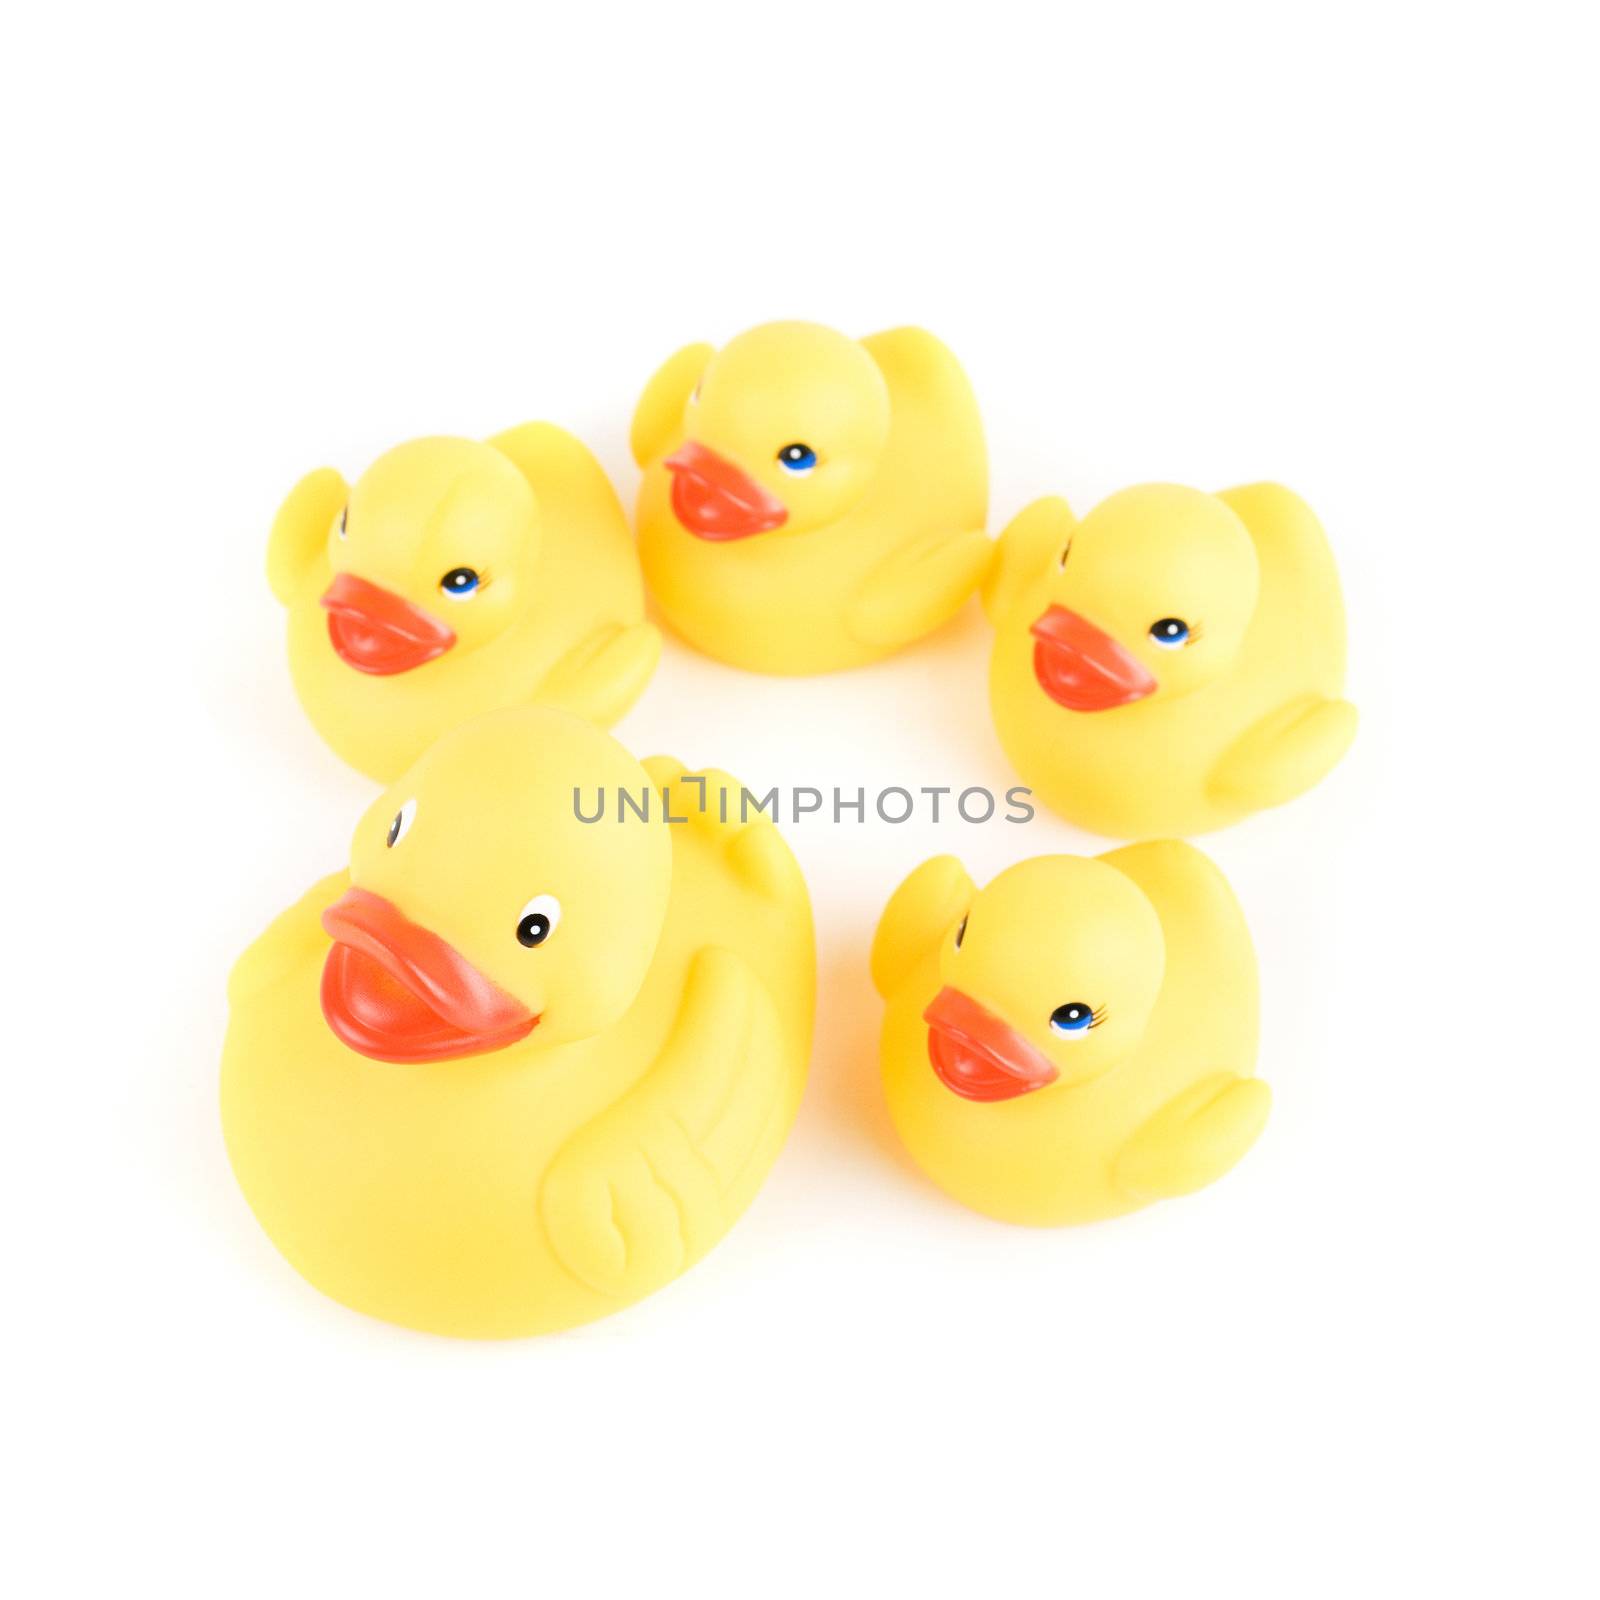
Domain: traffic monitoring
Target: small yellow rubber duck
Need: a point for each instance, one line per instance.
(1171, 663)
(455, 578)
(516, 1069)
(1077, 1039)
(811, 501)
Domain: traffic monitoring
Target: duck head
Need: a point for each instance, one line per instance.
(783, 434)
(1151, 597)
(434, 551)
(481, 910)
(1048, 978)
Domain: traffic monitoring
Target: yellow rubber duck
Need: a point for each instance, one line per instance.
(455, 578)
(811, 501)
(514, 1070)
(1077, 1039)
(1171, 663)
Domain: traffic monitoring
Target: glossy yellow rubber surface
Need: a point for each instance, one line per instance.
(1247, 712)
(1156, 1098)
(557, 617)
(561, 1177)
(882, 539)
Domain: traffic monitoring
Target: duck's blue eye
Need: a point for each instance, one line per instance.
(1170, 632)
(1072, 1020)
(459, 583)
(797, 458)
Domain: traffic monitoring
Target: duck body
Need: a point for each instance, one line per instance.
(1168, 742)
(811, 502)
(543, 1183)
(385, 655)
(1161, 959)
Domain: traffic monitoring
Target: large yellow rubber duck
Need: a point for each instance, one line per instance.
(514, 1070)
(1077, 1039)
(1171, 663)
(454, 578)
(811, 501)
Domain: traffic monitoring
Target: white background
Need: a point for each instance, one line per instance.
(1348, 248)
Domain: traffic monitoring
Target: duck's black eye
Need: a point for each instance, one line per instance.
(797, 458)
(1072, 1020)
(1170, 632)
(459, 583)
(538, 920)
(344, 523)
(961, 933)
(402, 823)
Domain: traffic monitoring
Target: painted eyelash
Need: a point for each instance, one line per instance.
(1096, 1017)
(1061, 564)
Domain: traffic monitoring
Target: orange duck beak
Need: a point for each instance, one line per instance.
(377, 631)
(979, 1057)
(718, 501)
(1082, 667)
(396, 992)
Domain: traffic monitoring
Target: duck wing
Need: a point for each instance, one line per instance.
(300, 531)
(291, 937)
(601, 677)
(647, 1188)
(1036, 536)
(566, 478)
(919, 913)
(1195, 1138)
(658, 417)
(920, 587)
